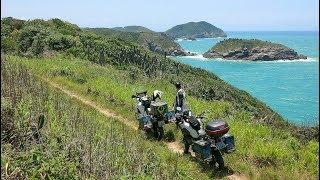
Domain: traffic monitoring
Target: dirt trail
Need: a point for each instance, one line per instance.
(104, 111)
(174, 146)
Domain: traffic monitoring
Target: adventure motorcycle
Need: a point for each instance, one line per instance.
(152, 113)
(207, 143)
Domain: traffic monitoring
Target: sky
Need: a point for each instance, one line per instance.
(160, 15)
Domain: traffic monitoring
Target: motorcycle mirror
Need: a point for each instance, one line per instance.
(201, 117)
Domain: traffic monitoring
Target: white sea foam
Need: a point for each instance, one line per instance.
(309, 59)
(197, 56)
(227, 60)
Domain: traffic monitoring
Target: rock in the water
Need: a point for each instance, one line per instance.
(251, 50)
(191, 38)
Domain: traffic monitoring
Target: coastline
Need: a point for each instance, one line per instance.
(222, 68)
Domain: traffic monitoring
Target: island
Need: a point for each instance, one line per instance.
(192, 30)
(251, 49)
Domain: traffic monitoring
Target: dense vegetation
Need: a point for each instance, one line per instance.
(153, 41)
(109, 70)
(200, 29)
(132, 29)
(234, 43)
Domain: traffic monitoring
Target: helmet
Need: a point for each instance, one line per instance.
(141, 93)
(178, 85)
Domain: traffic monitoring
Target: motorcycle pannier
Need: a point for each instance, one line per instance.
(229, 140)
(158, 108)
(202, 147)
(217, 128)
(144, 122)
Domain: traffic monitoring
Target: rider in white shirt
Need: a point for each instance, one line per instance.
(180, 100)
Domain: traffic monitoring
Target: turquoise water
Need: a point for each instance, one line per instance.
(289, 87)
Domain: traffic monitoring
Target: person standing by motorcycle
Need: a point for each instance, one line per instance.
(180, 106)
(158, 131)
(180, 100)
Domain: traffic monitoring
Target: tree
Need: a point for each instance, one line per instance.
(8, 45)
(101, 57)
(38, 45)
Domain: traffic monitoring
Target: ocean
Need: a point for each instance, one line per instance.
(289, 87)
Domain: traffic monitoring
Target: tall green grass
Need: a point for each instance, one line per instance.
(75, 141)
(263, 151)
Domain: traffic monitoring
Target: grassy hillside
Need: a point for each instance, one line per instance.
(109, 70)
(73, 141)
(153, 41)
(132, 29)
(200, 29)
(263, 152)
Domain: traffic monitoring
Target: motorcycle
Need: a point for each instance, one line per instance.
(207, 143)
(152, 113)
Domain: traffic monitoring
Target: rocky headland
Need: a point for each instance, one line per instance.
(253, 50)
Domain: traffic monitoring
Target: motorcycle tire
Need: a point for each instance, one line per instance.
(161, 133)
(218, 158)
(155, 130)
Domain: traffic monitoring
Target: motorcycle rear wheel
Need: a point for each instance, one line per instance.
(161, 133)
(218, 158)
(158, 132)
